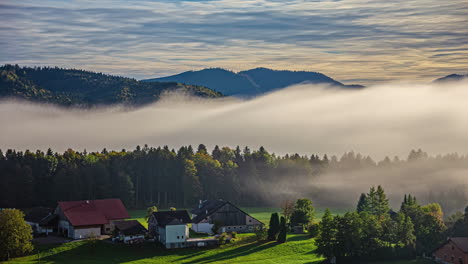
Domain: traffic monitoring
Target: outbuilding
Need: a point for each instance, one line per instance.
(130, 231)
(453, 251)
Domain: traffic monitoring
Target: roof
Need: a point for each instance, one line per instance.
(460, 242)
(209, 207)
(206, 208)
(93, 212)
(130, 227)
(37, 214)
(165, 218)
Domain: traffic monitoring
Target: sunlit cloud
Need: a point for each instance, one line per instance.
(350, 40)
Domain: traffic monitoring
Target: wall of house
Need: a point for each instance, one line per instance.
(203, 228)
(450, 254)
(176, 233)
(81, 233)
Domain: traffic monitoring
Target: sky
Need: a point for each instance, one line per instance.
(353, 41)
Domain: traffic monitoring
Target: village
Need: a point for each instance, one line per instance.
(108, 218)
(211, 223)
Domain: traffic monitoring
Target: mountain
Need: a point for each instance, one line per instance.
(452, 77)
(77, 87)
(249, 83)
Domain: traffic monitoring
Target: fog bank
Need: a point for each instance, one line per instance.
(383, 120)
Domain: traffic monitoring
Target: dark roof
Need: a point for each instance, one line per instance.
(40, 215)
(93, 212)
(130, 227)
(461, 242)
(165, 218)
(206, 208)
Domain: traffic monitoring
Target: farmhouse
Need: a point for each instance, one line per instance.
(453, 251)
(129, 232)
(226, 216)
(83, 219)
(170, 228)
(42, 220)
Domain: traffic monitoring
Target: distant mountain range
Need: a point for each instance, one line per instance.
(77, 87)
(452, 77)
(250, 83)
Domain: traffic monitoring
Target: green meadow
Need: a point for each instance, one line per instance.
(298, 249)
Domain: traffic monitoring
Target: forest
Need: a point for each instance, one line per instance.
(72, 87)
(165, 177)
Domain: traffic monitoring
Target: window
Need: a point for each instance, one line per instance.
(177, 237)
(250, 220)
(182, 237)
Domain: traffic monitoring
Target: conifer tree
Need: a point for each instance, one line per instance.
(274, 227)
(362, 205)
(282, 231)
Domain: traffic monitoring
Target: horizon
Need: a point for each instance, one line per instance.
(353, 42)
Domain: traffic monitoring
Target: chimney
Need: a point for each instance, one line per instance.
(87, 201)
(200, 204)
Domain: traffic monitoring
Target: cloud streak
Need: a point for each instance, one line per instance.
(349, 40)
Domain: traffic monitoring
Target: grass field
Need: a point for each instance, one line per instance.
(298, 249)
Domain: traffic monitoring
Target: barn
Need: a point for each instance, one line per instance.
(225, 215)
(89, 218)
(42, 220)
(453, 251)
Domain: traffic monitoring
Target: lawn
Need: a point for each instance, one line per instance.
(298, 249)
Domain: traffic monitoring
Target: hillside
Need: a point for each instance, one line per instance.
(77, 87)
(249, 83)
(452, 77)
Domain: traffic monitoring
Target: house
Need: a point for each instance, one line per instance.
(42, 220)
(453, 251)
(170, 228)
(84, 219)
(225, 215)
(130, 231)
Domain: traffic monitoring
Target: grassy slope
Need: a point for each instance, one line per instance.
(298, 249)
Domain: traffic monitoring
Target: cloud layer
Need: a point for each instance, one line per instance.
(351, 40)
(388, 119)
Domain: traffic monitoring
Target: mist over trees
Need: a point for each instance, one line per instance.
(165, 177)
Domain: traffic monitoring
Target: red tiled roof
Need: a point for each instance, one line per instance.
(93, 212)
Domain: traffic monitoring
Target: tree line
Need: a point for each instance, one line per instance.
(165, 177)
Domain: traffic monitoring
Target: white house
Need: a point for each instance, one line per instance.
(84, 219)
(170, 228)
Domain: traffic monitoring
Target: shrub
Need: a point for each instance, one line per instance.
(261, 233)
(313, 230)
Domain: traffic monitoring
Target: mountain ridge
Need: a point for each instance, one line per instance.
(250, 82)
(72, 87)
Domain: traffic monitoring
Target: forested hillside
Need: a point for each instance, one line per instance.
(77, 87)
(164, 177)
(252, 82)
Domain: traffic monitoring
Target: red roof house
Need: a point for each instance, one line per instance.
(82, 219)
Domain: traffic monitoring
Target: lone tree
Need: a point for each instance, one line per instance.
(274, 227)
(303, 213)
(15, 234)
(282, 231)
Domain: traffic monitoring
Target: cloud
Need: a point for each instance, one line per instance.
(369, 41)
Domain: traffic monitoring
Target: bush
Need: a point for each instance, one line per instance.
(313, 230)
(222, 238)
(233, 234)
(261, 233)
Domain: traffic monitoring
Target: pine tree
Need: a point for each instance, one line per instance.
(274, 227)
(362, 205)
(327, 236)
(282, 231)
(382, 207)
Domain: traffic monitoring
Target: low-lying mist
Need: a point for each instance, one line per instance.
(385, 120)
